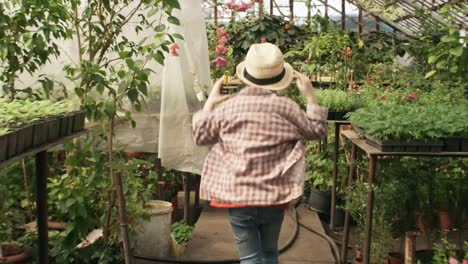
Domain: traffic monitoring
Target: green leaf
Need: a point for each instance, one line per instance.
(429, 74)
(122, 86)
(177, 35)
(458, 51)
(432, 59)
(173, 20)
(69, 202)
(159, 57)
(160, 28)
(448, 38)
(454, 69)
(441, 64)
(110, 109)
(152, 12)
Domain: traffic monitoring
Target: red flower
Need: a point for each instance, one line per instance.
(384, 97)
(413, 96)
(231, 5)
(374, 95)
(223, 40)
(349, 51)
(384, 88)
(220, 32)
(264, 40)
(242, 7)
(220, 49)
(287, 26)
(173, 49)
(220, 62)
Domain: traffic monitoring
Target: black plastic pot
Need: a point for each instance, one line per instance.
(39, 133)
(3, 147)
(79, 120)
(319, 201)
(12, 139)
(24, 138)
(64, 126)
(53, 128)
(69, 118)
(339, 216)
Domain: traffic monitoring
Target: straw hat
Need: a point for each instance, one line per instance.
(264, 67)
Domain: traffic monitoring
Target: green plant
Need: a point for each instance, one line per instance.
(411, 122)
(319, 170)
(449, 57)
(182, 232)
(28, 31)
(338, 100)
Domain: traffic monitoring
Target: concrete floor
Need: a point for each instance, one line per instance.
(212, 239)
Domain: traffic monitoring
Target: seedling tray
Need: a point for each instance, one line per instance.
(3, 147)
(402, 146)
(456, 144)
(12, 139)
(24, 138)
(53, 128)
(78, 120)
(336, 115)
(40, 133)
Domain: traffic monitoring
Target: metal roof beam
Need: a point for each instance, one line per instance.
(387, 21)
(418, 7)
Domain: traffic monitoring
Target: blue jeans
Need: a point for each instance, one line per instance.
(256, 231)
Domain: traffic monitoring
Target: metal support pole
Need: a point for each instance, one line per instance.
(187, 198)
(343, 15)
(122, 217)
(215, 12)
(370, 207)
(351, 173)
(197, 191)
(291, 10)
(377, 23)
(336, 145)
(271, 7)
(360, 22)
(41, 201)
(326, 8)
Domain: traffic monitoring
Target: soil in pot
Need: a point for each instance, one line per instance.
(319, 201)
(394, 258)
(14, 254)
(445, 221)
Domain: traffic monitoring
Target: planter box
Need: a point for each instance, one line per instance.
(24, 138)
(402, 146)
(40, 133)
(78, 120)
(456, 144)
(3, 147)
(53, 128)
(336, 115)
(12, 139)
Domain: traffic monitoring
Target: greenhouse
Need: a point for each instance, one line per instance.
(234, 131)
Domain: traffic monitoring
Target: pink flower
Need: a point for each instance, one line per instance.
(384, 97)
(223, 40)
(220, 32)
(173, 49)
(220, 49)
(231, 5)
(242, 7)
(220, 61)
(384, 88)
(453, 261)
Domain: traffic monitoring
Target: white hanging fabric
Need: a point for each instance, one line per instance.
(185, 78)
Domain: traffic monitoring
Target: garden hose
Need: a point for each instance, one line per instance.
(297, 221)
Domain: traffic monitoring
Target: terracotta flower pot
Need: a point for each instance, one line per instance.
(423, 222)
(394, 258)
(14, 254)
(445, 221)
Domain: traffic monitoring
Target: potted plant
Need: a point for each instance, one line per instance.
(319, 171)
(442, 191)
(338, 102)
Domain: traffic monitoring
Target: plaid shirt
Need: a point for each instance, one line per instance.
(257, 157)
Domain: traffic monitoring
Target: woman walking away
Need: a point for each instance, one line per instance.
(256, 165)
